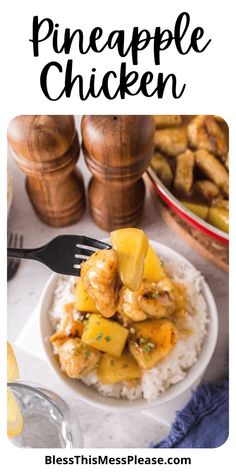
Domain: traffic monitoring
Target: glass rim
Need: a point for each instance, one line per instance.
(58, 403)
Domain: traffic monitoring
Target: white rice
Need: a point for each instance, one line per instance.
(174, 367)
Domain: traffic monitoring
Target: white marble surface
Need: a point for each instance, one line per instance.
(100, 429)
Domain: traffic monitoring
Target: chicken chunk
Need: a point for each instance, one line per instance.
(184, 172)
(205, 133)
(76, 359)
(227, 161)
(101, 280)
(171, 141)
(157, 301)
(207, 190)
(152, 300)
(162, 168)
(164, 121)
(213, 169)
(129, 306)
(69, 326)
(221, 203)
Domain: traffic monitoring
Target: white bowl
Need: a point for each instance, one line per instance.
(90, 395)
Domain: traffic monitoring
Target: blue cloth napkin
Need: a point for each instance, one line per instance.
(204, 420)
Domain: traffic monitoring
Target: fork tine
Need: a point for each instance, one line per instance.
(78, 262)
(91, 242)
(9, 239)
(15, 240)
(84, 252)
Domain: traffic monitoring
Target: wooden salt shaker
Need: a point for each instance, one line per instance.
(46, 148)
(117, 151)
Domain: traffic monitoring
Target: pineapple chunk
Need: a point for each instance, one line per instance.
(131, 245)
(197, 208)
(152, 342)
(105, 335)
(153, 267)
(14, 415)
(118, 369)
(83, 301)
(12, 366)
(219, 217)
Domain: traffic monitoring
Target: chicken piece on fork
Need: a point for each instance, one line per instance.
(101, 280)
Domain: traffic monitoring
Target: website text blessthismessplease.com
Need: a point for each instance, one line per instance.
(122, 460)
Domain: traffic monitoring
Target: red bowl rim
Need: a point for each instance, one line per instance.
(184, 212)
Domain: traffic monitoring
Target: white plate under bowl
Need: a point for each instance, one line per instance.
(89, 394)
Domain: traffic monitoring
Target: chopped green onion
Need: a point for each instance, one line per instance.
(148, 347)
(99, 336)
(87, 354)
(142, 340)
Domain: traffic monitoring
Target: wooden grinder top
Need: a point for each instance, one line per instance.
(117, 148)
(46, 148)
(38, 142)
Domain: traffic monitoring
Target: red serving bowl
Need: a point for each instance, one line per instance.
(184, 212)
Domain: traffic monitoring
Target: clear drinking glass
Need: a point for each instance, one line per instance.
(48, 421)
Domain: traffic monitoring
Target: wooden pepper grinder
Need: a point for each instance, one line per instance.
(117, 151)
(46, 148)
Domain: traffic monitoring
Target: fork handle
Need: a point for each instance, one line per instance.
(23, 253)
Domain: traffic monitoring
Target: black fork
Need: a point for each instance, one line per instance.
(16, 241)
(63, 254)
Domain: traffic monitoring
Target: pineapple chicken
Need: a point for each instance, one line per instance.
(152, 300)
(131, 246)
(205, 133)
(118, 369)
(105, 335)
(101, 280)
(76, 359)
(153, 341)
(130, 284)
(68, 325)
(172, 141)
